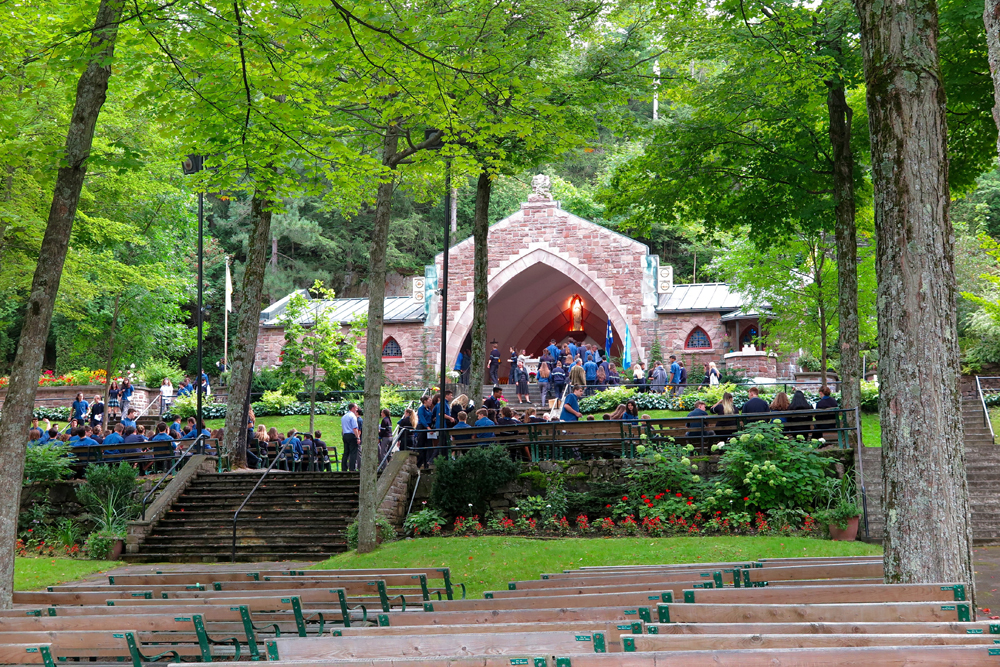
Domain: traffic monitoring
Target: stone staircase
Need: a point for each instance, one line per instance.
(510, 393)
(292, 516)
(982, 466)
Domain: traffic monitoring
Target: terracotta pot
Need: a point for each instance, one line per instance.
(846, 535)
(116, 550)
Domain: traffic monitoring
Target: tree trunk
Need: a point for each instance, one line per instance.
(274, 254)
(373, 350)
(991, 18)
(247, 325)
(111, 361)
(91, 92)
(928, 535)
(481, 267)
(845, 233)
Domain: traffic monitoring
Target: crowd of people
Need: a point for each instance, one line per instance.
(806, 424)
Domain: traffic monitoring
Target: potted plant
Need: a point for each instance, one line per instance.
(842, 512)
(108, 541)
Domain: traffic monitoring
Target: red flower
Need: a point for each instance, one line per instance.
(746, 500)
(609, 506)
(624, 497)
(680, 495)
(690, 503)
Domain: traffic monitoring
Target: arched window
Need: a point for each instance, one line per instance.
(750, 336)
(391, 349)
(698, 340)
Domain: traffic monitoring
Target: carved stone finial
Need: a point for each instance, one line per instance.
(540, 188)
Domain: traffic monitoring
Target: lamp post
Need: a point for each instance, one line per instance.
(444, 275)
(192, 165)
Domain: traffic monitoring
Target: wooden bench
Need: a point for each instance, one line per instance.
(439, 645)
(591, 586)
(821, 594)
(700, 642)
(621, 614)
(886, 627)
(646, 598)
(818, 613)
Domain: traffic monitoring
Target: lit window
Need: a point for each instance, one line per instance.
(392, 349)
(698, 340)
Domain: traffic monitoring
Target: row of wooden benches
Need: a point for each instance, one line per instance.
(568, 616)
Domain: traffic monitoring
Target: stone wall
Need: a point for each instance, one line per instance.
(753, 364)
(55, 397)
(397, 498)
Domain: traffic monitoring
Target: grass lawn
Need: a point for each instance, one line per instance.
(488, 563)
(871, 431)
(35, 573)
(328, 425)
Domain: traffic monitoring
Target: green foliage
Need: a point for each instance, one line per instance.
(101, 543)
(50, 462)
(383, 529)
(425, 522)
(841, 502)
(35, 522)
(107, 491)
(665, 469)
(153, 371)
(770, 470)
(266, 379)
(67, 532)
(275, 401)
(471, 479)
(187, 406)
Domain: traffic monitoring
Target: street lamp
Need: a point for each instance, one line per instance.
(192, 165)
(444, 273)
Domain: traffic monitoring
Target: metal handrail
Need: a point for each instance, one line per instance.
(267, 471)
(986, 412)
(182, 457)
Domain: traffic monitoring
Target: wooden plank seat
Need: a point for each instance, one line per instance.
(866, 592)
(633, 643)
(594, 586)
(645, 598)
(768, 562)
(584, 639)
(840, 612)
(112, 644)
(888, 656)
(885, 628)
(613, 630)
(392, 577)
(620, 614)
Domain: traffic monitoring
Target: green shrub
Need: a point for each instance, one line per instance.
(383, 529)
(187, 406)
(471, 479)
(153, 372)
(108, 490)
(275, 401)
(50, 462)
(771, 470)
(425, 522)
(100, 544)
(266, 379)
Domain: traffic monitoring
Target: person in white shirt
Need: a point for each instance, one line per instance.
(351, 434)
(166, 394)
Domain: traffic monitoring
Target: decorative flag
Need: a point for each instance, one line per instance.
(627, 354)
(229, 289)
(609, 340)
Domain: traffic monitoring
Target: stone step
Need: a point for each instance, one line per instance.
(258, 557)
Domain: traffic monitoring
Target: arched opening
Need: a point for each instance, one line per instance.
(530, 303)
(750, 336)
(391, 349)
(698, 340)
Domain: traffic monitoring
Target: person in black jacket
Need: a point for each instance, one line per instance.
(755, 404)
(828, 402)
(799, 424)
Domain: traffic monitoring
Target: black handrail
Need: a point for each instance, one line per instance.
(267, 471)
(182, 457)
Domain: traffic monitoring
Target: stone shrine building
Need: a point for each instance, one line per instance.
(553, 275)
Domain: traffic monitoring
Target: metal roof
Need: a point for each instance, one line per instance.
(397, 309)
(700, 297)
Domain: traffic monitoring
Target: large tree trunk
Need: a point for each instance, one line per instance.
(480, 299)
(925, 499)
(991, 18)
(91, 91)
(373, 350)
(247, 325)
(845, 233)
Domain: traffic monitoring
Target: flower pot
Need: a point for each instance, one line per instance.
(116, 550)
(846, 535)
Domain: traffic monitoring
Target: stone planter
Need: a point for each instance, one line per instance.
(116, 550)
(809, 381)
(848, 534)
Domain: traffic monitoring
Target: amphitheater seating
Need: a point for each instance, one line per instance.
(777, 612)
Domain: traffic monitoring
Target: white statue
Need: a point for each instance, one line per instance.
(540, 188)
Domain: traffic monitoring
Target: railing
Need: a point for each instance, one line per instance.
(555, 439)
(982, 401)
(180, 459)
(267, 471)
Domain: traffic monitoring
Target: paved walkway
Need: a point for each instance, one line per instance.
(147, 568)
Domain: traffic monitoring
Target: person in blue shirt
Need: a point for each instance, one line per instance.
(125, 394)
(72, 426)
(590, 369)
(675, 375)
(43, 430)
(494, 365)
(85, 439)
(572, 349)
(296, 445)
(459, 424)
(129, 418)
(484, 420)
(77, 435)
(115, 436)
(571, 407)
(34, 437)
(80, 408)
(553, 350)
(631, 412)
(161, 433)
